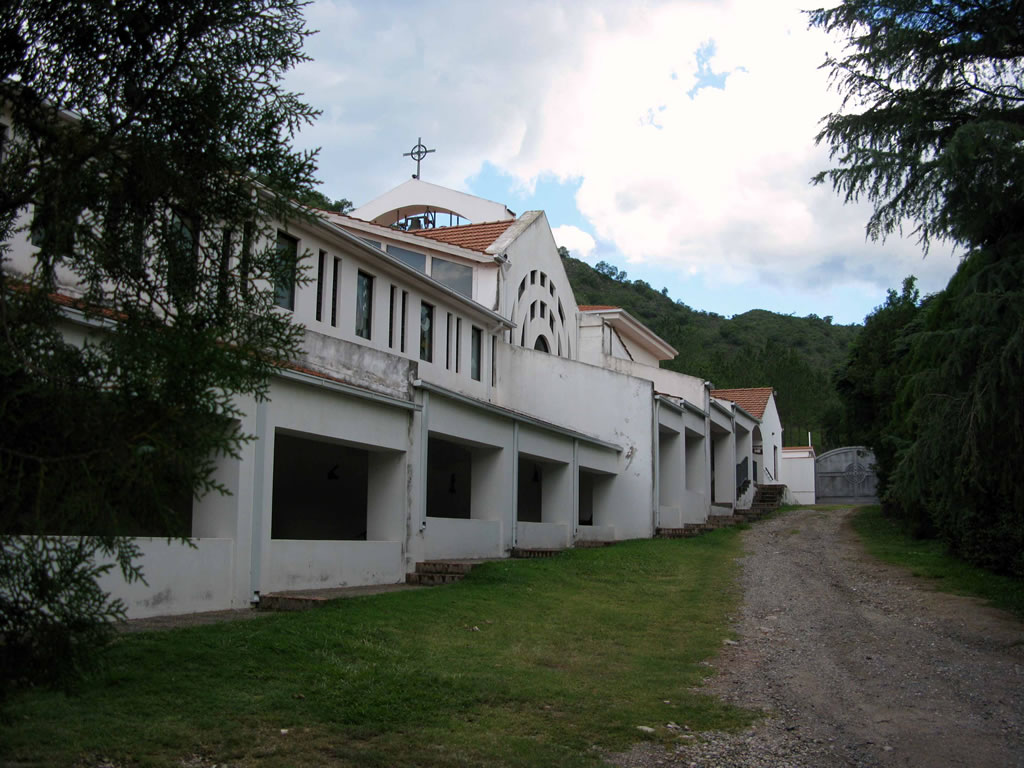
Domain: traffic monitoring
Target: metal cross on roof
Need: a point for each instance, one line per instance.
(417, 153)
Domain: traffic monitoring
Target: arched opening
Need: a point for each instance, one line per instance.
(542, 344)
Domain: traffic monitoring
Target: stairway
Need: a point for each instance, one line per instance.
(433, 573)
(767, 499)
(533, 554)
(688, 531)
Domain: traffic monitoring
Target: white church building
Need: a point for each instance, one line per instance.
(452, 401)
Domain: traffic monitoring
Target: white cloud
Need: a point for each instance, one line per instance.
(580, 244)
(714, 185)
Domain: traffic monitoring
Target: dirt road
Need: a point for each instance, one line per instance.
(859, 663)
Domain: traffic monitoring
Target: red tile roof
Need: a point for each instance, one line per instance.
(753, 400)
(595, 307)
(475, 237)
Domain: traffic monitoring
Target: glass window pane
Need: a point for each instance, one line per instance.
(417, 261)
(364, 304)
(284, 282)
(426, 332)
(474, 362)
(458, 277)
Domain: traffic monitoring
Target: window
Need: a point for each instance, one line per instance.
(401, 332)
(391, 319)
(368, 241)
(543, 279)
(561, 312)
(426, 332)
(417, 261)
(494, 361)
(364, 304)
(533, 310)
(551, 286)
(245, 262)
(522, 288)
(458, 344)
(284, 280)
(458, 277)
(336, 273)
(183, 264)
(551, 320)
(320, 266)
(474, 353)
(448, 341)
(533, 276)
(543, 309)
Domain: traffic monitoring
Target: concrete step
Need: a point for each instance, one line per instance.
(588, 544)
(460, 567)
(304, 599)
(521, 553)
(688, 531)
(721, 521)
(283, 602)
(432, 579)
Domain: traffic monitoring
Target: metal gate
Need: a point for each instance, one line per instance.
(846, 476)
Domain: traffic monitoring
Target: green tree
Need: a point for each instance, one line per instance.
(932, 133)
(136, 130)
(317, 199)
(932, 125)
(868, 382)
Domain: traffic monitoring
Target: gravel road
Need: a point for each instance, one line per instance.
(857, 663)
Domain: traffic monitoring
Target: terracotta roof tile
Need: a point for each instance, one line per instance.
(595, 307)
(475, 237)
(753, 400)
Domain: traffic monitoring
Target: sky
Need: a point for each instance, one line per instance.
(674, 140)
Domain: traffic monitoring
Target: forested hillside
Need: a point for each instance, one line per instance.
(796, 355)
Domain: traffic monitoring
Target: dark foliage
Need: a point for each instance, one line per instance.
(136, 132)
(932, 133)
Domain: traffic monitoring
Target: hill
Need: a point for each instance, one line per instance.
(796, 355)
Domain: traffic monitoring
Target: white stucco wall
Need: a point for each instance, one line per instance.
(181, 578)
(598, 402)
(771, 436)
(297, 564)
(798, 471)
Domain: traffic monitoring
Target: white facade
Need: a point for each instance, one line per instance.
(798, 469)
(452, 402)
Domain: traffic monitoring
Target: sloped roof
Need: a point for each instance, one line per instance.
(595, 307)
(753, 400)
(474, 237)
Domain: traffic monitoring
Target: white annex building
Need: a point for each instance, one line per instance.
(453, 401)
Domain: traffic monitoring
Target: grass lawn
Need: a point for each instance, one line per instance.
(525, 663)
(928, 558)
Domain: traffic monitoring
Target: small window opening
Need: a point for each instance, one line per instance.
(474, 353)
(335, 274)
(320, 267)
(426, 332)
(364, 305)
(401, 330)
(391, 318)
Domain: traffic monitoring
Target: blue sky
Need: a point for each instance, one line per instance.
(674, 139)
